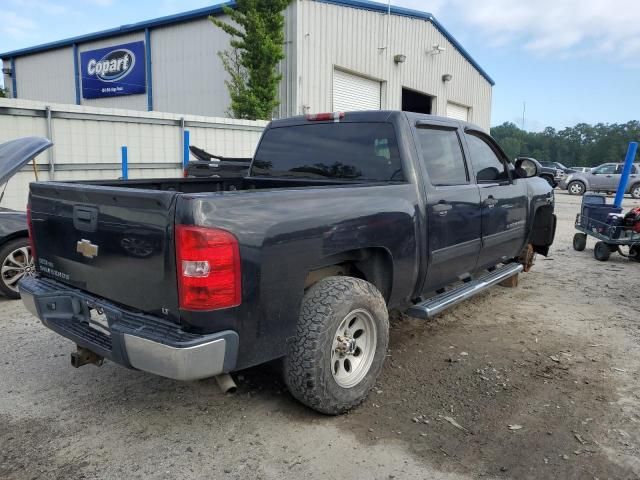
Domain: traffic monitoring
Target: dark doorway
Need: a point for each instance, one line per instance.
(413, 101)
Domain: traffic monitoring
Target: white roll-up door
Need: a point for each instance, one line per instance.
(459, 112)
(353, 92)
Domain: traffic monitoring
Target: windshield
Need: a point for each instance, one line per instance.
(338, 151)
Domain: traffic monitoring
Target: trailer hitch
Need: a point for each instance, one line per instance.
(83, 356)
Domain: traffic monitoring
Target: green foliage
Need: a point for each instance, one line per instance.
(3, 93)
(582, 146)
(257, 39)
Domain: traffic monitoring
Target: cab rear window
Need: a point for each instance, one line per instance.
(338, 151)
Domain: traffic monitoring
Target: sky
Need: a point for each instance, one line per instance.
(562, 62)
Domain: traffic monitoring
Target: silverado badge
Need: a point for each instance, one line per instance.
(86, 248)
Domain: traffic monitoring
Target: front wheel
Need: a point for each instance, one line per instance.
(550, 180)
(579, 242)
(16, 263)
(635, 191)
(576, 188)
(340, 345)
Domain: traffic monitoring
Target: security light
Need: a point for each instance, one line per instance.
(400, 58)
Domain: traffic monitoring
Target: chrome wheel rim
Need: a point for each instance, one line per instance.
(635, 193)
(353, 348)
(576, 188)
(15, 266)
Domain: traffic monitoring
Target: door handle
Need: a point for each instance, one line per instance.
(490, 202)
(442, 208)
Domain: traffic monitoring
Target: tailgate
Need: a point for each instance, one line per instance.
(115, 243)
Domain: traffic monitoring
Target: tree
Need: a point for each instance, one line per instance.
(257, 40)
(582, 145)
(3, 93)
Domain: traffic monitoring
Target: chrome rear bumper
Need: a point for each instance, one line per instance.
(131, 339)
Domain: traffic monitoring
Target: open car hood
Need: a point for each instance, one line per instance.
(15, 154)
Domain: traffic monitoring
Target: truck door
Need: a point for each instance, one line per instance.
(453, 206)
(503, 201)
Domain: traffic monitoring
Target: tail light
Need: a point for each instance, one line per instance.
(323, 117)
(208, 264)
(32, 243)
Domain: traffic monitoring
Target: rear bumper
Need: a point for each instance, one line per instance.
(132, 339)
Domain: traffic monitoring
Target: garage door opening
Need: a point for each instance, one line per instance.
(417, 102)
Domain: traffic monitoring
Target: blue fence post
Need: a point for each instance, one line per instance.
(125, 163)
(626, 171)
(185, 151)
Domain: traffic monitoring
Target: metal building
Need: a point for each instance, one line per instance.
(340, 55)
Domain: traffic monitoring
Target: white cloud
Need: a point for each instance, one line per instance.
(549, 27)
(16, 26)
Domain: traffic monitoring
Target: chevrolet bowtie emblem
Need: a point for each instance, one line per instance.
(87, 249)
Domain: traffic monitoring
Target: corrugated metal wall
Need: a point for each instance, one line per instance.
(87, 141)
(354, 39)
(188, 76)
(46, 76)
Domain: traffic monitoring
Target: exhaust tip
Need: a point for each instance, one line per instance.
(226, 383)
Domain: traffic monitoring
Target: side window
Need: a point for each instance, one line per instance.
(442, 155)
(488, 166)
(605, 170)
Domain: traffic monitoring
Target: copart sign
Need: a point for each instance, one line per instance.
(114, 71)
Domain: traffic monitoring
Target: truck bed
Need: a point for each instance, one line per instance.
(213, 184)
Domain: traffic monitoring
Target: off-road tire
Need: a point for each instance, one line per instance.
(579, 242)
(602, 251)
(308, 367)
(575, 190)
(634, 253)
(635, 191)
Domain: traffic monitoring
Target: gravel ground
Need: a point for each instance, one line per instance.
(538, 381)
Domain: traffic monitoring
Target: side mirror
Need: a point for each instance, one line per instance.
(528, 167)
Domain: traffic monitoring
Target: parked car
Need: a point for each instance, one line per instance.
(559, 166)
(604, 178)
(16, 259)
(552, 175)
(341, 218)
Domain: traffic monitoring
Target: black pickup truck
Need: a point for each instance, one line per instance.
(341, 218)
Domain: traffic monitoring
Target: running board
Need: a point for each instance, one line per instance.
(434, 305)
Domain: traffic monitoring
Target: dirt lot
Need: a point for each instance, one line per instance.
(556, 359)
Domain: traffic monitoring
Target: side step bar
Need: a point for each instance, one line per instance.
(434, 305)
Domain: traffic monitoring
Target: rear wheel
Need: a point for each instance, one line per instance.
(576, 188)
(602, 251)
(340, 345)
(635, 191)
(579, 242)
(16, 263)
(634, 253)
